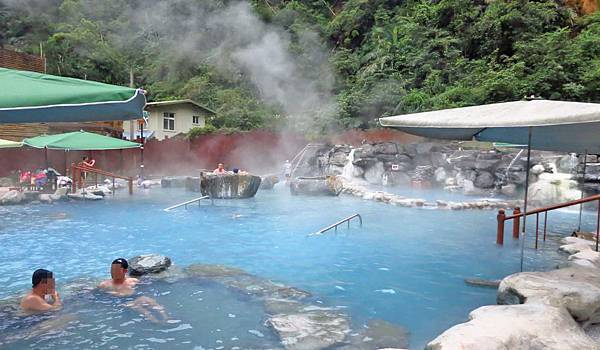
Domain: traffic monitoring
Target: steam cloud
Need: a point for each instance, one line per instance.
(238, 43)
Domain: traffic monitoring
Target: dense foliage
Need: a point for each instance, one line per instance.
(388, 56)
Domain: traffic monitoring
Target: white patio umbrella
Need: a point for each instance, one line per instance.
(540, 124)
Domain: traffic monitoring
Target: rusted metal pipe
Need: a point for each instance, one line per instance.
(537, 229)
(598, 226)
(500, 233)
(74, 179)
(558, 206)
(545, 224)
(516, 222)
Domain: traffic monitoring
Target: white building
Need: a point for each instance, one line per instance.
(169, 118)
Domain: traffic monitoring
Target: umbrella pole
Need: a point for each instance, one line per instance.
(526, 195)
(582, 188)
(46, 157)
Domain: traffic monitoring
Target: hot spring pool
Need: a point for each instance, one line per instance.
(405, 266)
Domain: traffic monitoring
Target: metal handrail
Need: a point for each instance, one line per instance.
(186, 203)
(100, 171)
(556, 206)
(517, 214)
(338, 223)
(77, 176)
(299, 157)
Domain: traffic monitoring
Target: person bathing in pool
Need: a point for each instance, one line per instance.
(43, 284)
(122, 286)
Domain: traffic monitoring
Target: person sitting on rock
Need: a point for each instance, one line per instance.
(122, 286)
(220, 169)
(43, 284)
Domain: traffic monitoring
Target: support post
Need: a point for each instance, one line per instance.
(545, 224)
(598, 226)
(582, 189)
(130, 185)
(500, 233)
(537, 229)
(113, 189)
(526, 195)
(74, 179)
(516, 222)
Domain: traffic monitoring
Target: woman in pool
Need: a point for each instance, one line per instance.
(122, 286)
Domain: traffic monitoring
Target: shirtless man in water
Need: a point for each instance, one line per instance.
(119, 285)
(43, 284)
(122, 286)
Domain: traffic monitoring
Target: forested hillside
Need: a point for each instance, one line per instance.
(318, 63)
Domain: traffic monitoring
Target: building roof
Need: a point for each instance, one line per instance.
(176, 102)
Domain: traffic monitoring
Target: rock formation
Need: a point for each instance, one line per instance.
(328, 186)
(228, 186)
(515, 327)
(473, 172)
(148, 263)
(268, 182)
(557, 309)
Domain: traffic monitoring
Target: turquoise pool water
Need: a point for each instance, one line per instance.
(406, 266)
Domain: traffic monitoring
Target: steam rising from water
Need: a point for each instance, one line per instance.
(292, 74)
(236, 41)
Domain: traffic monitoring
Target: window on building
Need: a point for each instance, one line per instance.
(168, 121)
(195, 119)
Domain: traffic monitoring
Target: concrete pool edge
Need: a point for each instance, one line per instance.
(553, 310)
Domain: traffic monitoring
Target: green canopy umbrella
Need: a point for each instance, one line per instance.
(79, 141)
(9, 144)
(30, 97)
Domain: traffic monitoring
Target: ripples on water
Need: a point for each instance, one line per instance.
(406, 266)
(201, 316)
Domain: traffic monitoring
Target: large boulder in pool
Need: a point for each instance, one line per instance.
(229, 185)
(148, 263)
(317, 186)
(516, 327)
(308, 330)
(12, 197)
(268, 182)
(58, 195)
(576, 288)
(173, 181)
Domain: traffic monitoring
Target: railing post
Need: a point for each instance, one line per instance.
(500, 234)
(537, 226)
(74, 179)
(545, 224)
(516, 222)
(598, 226)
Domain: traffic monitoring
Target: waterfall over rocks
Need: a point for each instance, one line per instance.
(477, 171)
